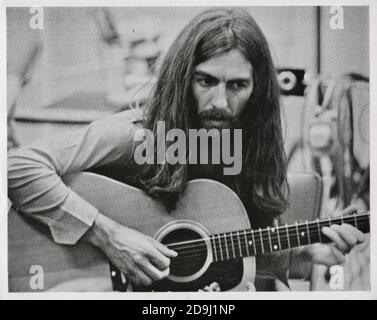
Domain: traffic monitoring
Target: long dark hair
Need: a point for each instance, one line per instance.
(262, 183)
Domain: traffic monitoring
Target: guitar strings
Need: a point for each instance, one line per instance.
(277, 232)
(225, 256)
(274, 236)
(264, 232)
(229, 239)
(202, 242)
(312, 225)
(194, 254)
(227, 242)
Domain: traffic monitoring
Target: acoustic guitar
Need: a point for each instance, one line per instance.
(209, 230)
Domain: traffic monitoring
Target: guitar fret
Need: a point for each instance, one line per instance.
(305, 234)
(247, 245)
(288, 236)
(319, 230)
(355, 220)
(276, 241)
(277, 231)
(269, 238)
(231, 240)
(307, 230)
(254, 245)
(298, 235)
(226, 246)
(239, 243)
(221, 248)
(214, 248)
(274, 245)
(261, 239)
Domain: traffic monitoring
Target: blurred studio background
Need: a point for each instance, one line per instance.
(87, 63)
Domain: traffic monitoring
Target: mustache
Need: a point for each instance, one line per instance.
(217, 114)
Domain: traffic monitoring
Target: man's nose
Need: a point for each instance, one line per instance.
(220, 99)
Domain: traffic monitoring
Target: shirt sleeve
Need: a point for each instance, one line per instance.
(35, 186)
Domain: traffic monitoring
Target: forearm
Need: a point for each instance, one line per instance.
(100, 231)
(35, 186)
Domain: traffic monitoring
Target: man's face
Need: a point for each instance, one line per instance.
(222, 86)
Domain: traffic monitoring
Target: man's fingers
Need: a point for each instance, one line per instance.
(353, 264)
(347, 229)
(138, 277)
(165, 250)
(326, 254)
(153, 272)
(336, 239)
(346, 234)
(337, 256)
(365, 245)
(158, 259)
(349, 210)
(141, 271)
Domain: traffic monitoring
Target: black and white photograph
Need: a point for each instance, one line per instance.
(174, 148)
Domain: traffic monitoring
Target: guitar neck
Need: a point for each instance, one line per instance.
(245, 243)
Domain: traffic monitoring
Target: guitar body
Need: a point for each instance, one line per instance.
(206, 207)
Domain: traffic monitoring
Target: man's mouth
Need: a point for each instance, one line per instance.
(216, 123)
(213, 120)
(217, 119)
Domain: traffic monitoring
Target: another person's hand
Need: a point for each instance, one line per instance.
(141, 258)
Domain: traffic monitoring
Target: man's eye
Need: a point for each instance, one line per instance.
(237, 85)
(205, 82)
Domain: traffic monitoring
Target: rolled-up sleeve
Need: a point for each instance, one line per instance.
(35, 186)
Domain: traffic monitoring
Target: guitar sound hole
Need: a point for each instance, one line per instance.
(191, 255)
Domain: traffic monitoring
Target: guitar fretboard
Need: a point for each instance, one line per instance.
(243, 243)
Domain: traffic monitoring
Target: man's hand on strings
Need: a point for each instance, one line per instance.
(343, 238)
(141, 258)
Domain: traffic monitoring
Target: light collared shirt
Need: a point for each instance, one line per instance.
(35, 186)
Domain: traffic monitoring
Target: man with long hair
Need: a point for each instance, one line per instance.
(217, 74)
